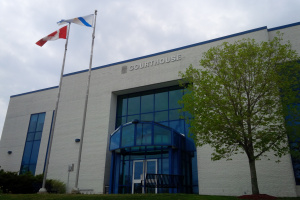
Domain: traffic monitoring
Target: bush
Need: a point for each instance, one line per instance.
(11, 182)
(58, 186)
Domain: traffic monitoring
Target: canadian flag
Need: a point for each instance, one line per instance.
(61, 33)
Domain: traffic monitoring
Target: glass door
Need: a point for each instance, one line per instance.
(151, 168)
(140, 170)
(138, 176)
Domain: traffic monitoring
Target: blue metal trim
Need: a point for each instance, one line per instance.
(78, 72)
(126, 108)
(110, 190)
(284, 26)
(134, 134)
(130, 169)
(172, 137)
(117, 161)
(170, 166)
(153, 111)
(50, 88)
(140, 108)
(121, 135)
(152, 132)
(168, 107)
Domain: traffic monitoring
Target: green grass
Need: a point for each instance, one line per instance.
(116, 197)
(111, 197)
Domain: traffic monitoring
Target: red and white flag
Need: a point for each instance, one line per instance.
(61, 33)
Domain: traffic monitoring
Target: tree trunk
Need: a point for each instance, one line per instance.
(254, 183)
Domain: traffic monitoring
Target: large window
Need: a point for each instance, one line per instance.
(294, 130)
(161, 106)
(157, 105)
(32, 143)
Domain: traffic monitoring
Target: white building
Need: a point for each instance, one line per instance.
(133, 124)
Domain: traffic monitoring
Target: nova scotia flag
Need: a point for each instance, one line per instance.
(83, 21)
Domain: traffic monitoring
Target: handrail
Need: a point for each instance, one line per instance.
(163, 181)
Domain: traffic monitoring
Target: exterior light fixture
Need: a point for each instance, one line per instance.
(135, 121)
(77, 140)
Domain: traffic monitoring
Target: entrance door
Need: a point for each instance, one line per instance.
(140, 170)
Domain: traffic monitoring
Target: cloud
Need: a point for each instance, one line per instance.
(125, 30)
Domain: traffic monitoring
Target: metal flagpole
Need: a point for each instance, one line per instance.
(43, 189)
(76, 189)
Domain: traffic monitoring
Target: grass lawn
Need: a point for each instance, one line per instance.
(116, 197)
(111, 197)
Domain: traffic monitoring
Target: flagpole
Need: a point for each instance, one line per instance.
(76, 189)
(43, 188)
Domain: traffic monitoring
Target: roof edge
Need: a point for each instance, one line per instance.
(171, 50)
(49, 88)
(284, 26)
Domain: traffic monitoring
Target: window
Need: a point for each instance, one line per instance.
(294, 128)
(32, 143)
(127, 136)
(160, 105)
(132, 105)
(147, 103)
(144, 134)
(161, 101)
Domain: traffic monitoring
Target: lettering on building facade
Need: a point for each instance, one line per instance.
(156, 62)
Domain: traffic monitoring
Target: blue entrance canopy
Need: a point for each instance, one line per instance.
(144, 133)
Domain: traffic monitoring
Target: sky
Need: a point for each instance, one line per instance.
(125, 29)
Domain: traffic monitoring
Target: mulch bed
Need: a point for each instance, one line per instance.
(257, 196)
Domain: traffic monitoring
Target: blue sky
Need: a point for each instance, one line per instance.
(125, 29)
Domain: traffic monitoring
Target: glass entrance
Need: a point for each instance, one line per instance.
(149, 126)
(140, 169)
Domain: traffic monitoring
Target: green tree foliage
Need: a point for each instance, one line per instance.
(239, 98)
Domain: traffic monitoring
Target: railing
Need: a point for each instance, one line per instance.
(163, 181)
(86, 191)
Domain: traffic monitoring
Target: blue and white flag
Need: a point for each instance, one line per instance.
(83, 21)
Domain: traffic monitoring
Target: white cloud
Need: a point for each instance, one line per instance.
(125, 30)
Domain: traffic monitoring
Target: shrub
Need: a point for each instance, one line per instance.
(11, 182)
(58, 186)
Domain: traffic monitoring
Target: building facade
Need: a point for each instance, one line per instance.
(133, 129)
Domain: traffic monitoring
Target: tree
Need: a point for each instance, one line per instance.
(242, 97)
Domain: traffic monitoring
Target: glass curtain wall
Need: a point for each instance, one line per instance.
(32, 143)
(161, 106)
(294, 130)
(157, 105)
